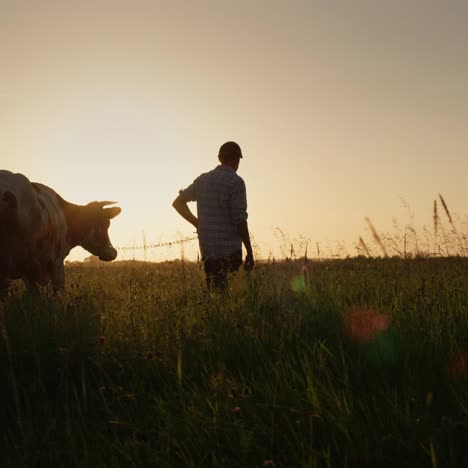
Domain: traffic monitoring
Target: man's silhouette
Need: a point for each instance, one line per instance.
(222, 216)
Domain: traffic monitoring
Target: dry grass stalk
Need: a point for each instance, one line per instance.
(411, 229)
(395, 248)
(447, 212)
(364, 246)
(435, 217)
(306, 275)
(376, 237)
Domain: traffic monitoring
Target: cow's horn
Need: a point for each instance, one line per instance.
(102, 204)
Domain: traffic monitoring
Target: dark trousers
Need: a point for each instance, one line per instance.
(217, 269)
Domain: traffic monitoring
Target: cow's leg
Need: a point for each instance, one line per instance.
(57, 275)
(35, 277)
(4, 283)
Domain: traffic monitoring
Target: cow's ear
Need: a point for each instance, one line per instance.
(110, 213)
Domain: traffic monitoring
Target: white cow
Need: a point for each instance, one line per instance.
(38, 228)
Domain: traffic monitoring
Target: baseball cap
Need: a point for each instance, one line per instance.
(230, 148)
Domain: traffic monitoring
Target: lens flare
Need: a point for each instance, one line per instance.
(363, 324)
(372, 330)
(384, 348)
(300, 282)
(458, 364)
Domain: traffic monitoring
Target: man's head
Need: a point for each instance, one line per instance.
(230, 154)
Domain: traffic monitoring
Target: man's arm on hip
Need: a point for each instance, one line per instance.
(180, 205)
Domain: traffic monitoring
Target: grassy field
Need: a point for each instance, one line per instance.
(358, 362)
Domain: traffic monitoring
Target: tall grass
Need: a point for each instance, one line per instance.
(408, 242)
(135, 364)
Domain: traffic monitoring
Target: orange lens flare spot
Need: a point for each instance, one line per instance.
(362, 324)
(458, 364)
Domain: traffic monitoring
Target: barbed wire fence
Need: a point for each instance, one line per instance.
(145, 248)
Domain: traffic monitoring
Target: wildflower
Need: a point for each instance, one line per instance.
(236, 410)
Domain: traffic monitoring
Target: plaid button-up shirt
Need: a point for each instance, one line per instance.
(221, 205)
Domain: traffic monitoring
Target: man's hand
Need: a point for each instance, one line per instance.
(249, 262)
(243, 231)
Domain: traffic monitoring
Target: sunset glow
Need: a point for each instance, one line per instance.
(130, 101)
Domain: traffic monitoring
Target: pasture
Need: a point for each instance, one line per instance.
(357, 362)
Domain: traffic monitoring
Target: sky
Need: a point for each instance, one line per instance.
(344, 110)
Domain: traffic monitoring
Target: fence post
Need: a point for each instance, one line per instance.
(144, 245)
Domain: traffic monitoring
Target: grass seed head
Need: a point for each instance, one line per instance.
(447, 212)
(376, 237)
(435, 218)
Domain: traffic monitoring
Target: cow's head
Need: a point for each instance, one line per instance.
(96, 241)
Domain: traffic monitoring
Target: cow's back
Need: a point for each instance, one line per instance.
(18, 188)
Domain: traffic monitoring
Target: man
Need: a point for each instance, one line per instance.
(222, 216)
